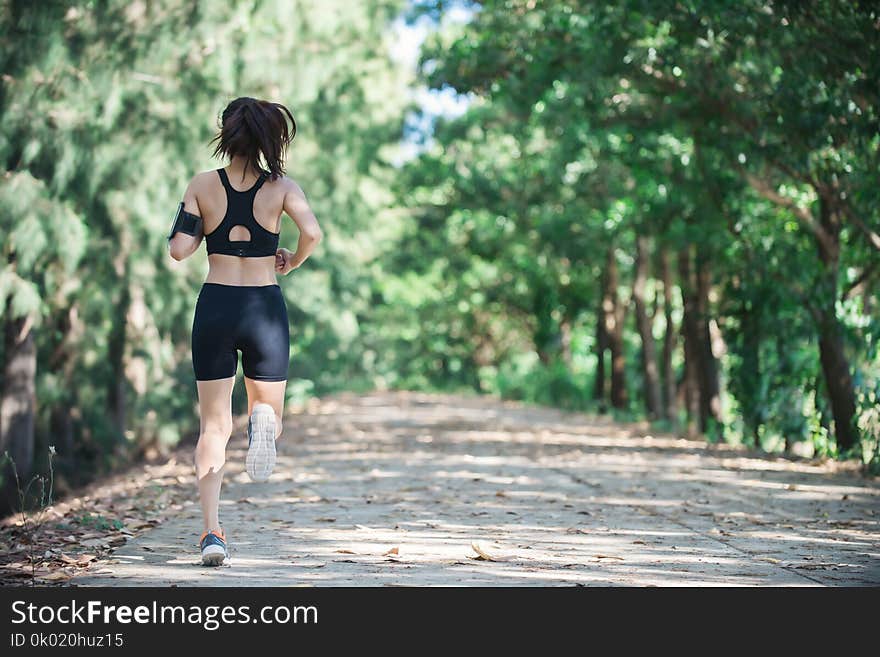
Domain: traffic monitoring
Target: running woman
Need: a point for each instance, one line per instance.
(238, 210)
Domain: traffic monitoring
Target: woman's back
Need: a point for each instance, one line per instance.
(225, 214)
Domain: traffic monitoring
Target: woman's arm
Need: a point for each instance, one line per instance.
(297, 207)
(181, 245)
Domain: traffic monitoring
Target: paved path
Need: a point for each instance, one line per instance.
(395, 489)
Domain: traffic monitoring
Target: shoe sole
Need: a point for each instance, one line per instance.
(260, 459)
(213, 555)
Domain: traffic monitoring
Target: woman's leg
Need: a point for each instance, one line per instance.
(215, 410)
(267, 392)
(265, 354)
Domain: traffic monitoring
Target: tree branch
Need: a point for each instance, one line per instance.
(803, 215)
(873, 238)
(856, 286)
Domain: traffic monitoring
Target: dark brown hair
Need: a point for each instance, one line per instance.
(252, 127)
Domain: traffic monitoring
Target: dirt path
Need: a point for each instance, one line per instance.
(394, 489)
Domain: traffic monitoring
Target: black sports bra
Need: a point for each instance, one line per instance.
(240, 212)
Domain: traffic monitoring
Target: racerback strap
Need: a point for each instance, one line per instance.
(240, 212)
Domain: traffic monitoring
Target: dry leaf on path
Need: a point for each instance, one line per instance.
(345, 551)
(608, 556)
(394, 550)
(483, 553)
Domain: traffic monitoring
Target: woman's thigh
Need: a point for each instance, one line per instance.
(215, 405)
(213, 332)
(263, 335)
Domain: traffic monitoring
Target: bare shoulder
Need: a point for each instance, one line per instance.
(203, 177)
(296, 205)
(290, 186)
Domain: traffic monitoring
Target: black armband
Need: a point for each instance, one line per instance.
(185, 222)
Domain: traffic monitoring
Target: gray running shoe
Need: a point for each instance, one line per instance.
(261, 442)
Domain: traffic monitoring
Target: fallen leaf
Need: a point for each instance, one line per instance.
(344, 551)
(483, 553)
(608, 556)
(393, 550)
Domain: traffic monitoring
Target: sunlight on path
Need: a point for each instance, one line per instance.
(395, 489)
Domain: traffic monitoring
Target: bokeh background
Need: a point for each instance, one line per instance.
(662, 210)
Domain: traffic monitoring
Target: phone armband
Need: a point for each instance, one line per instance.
(185, 222)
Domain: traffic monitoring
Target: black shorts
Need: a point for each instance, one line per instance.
(249, 318)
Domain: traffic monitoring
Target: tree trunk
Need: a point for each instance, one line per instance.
(835, 365)
(18, 401)
(650, 375)
(710, 388)
(751, 374)
(62, 362)
(614, 315)
(546, 338)
(118, 384)
(670, 408)
(565, 340)
(690, 334)
(838, 383)
(600, 347)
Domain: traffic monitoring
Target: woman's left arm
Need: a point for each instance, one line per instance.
(181, 245)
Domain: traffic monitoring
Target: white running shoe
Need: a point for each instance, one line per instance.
(213, 546)
(261, 442)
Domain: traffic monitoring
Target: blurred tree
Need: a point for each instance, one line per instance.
(106, 110)
(737, 133)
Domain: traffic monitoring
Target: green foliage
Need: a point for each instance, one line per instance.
(105, 114)
(551, 385)
(745, 133)
(98, 521)
(744, 136)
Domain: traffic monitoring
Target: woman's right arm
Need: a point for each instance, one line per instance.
(297, 207)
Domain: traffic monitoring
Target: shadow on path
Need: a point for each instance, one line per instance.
(394, 488)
